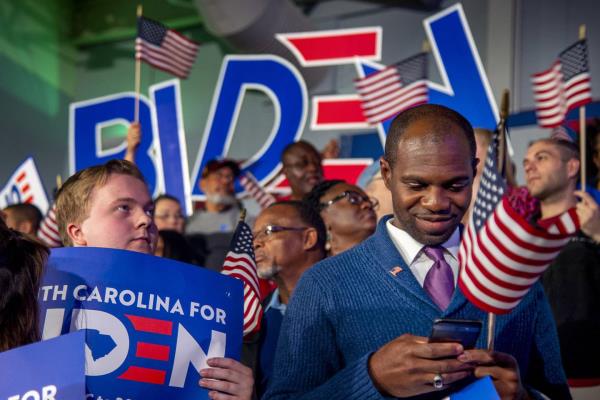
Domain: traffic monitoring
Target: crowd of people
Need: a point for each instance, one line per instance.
(352, 276)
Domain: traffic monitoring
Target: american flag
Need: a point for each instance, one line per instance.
(563, 87)
(400, 86)
(164, 48)
(501, 254)
(48, 230)
(241, 264)
(256, 191)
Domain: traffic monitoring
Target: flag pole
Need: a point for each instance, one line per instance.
(582, 134)
(503, 161)
(138, 69)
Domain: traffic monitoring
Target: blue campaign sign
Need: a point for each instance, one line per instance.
(279, 80)
(481, 389)
(465, 87)
(48, 370)
(150, 323)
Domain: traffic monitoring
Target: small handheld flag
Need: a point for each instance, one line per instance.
(164, 48)
(563, 87)
(393, 89)
(240, 263)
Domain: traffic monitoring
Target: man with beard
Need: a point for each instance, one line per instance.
(357, 324)
(221, 209)
(302, 168)
(289, 237)
(210, 228)
(573, 279)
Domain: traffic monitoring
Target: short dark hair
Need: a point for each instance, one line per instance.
(568, 150)
(26, 212)
(299, 143)
(443, 116)
(166, 196)
(308, 216)
(217, 164)
(177, 247)
(313, 198)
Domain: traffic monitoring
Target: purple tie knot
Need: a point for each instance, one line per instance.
(439, 281)
(436, 253)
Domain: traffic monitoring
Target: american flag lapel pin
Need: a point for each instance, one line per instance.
(395, 271)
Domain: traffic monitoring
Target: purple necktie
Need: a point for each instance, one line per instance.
(439, 281)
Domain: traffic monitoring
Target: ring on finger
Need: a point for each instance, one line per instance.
(438, 382)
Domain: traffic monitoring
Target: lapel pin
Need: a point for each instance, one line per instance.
(395, 271)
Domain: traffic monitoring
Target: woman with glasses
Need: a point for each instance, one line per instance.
(348, 213)
(168, 214)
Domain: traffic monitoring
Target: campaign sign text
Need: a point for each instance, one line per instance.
(48, 370)
(150, 323)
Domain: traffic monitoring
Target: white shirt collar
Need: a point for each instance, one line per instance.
(410, 249)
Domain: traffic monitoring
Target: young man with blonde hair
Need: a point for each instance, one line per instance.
(109, 205)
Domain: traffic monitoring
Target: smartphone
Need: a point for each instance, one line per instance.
(463, 331)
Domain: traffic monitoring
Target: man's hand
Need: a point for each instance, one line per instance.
(589, 215)
(406, 366)
(227, 379)
(134, 137)
(502, 368)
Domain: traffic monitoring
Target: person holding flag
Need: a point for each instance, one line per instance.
(572, 280)
(357, 325)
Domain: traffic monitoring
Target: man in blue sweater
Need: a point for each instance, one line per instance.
(357, 324)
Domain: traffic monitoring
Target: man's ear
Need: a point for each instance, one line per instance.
(573, 166)
(386, 172)
(310, 239)
(476, 162)
(76, 235)
(203, 185)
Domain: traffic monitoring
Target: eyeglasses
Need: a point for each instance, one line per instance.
(354, 198)
(270, 230)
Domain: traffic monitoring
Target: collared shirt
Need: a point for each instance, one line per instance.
(275, 303)
(415, 258)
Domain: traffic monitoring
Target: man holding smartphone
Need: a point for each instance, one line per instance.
(357, 325)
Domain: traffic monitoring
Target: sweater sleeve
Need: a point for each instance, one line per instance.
(545, 372)
(308, 364)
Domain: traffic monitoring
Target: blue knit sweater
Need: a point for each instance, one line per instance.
(348, 306)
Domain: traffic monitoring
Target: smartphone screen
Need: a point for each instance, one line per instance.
(465, 332)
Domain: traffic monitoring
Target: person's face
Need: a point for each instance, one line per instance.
(18, 224)
(348, 214)
(302, 168)
(11, 221)
(168, 216)
(430, 182)
(377, 190)
(120, 217)
(284, 245)
(219, 182)
(545, 171)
